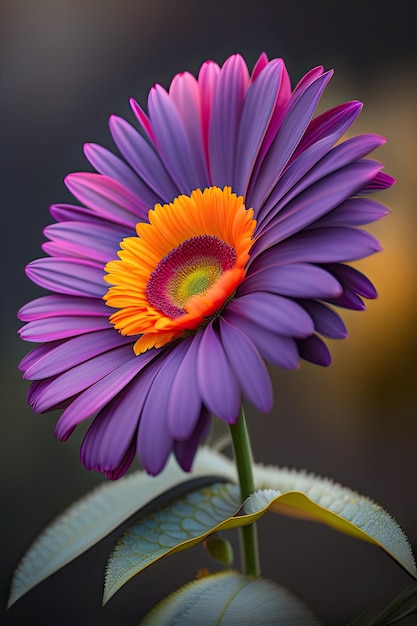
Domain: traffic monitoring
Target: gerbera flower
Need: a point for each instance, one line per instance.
(219, 241)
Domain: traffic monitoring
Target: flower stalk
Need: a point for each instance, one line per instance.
(243, 458)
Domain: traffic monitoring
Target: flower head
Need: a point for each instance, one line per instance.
(181, 268)
(218, 242)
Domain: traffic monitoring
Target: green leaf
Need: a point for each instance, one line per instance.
(108, 506)
(404, 605)
(177, 526)
(201, 513)
(93, 517)
(321, 500)
(228, 599)
(191, 519)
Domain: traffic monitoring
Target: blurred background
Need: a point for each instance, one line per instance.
(65, 67)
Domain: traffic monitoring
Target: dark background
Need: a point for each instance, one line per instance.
(65, 67)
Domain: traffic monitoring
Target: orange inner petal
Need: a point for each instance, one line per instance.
(181, 268)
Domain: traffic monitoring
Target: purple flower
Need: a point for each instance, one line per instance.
(218, 242)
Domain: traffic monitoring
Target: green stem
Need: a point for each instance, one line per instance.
(243, 459)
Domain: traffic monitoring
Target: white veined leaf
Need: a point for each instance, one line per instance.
(227, 599)
(93, 517)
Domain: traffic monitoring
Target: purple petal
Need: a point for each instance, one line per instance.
(75, 239)
(285, 103)
(314, 350)
(292, 174)
(348, 300)
(111, 434)
(280, 351)
(380, 182)
(107, 198)
(354, 212)
(207, 79)
(333, 121)
(185, 451)
(109, 438)
(185, 93)
(345, 153)
(72, 212)
(70, 353)
(144, 160)
(286, 140)
(248, 366)
(299, 280)
(53, 328)
(227, 105)
(52, 392)
(143, 119)
(55, 305)
(257, 111)
(314, 202)
(324, 245)
(184, 405)
(37, 387)
(326, 321)
(216, 381)
(38, 353)
(275, 313)
(124, 464)
(173, 143)
(353, 280)
(98, 394)
(313, 165)
(69, 213)
(71, 277)
(106, 163)
(259, 66)
(155, 441)
(308, 79)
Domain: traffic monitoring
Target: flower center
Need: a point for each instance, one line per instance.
(181, 268)
(187, 271)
